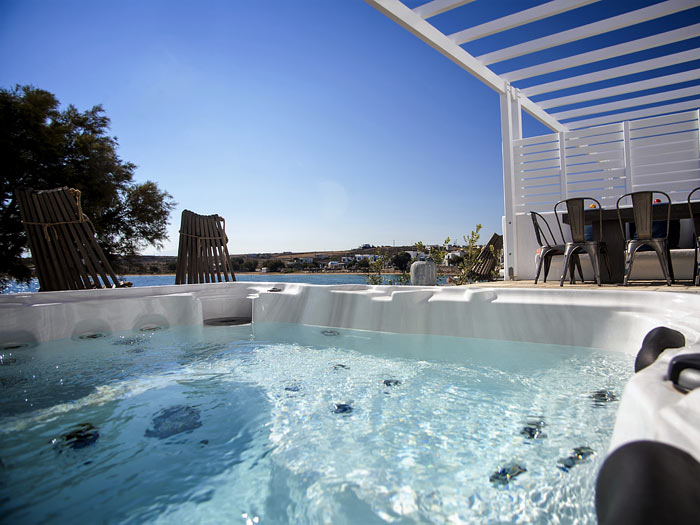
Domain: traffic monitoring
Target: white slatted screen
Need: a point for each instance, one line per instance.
(658, 153)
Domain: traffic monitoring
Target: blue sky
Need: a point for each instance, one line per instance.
(308, 125)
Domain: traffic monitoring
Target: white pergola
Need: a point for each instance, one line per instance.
(591, 108)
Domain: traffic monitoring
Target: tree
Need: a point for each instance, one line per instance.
(43, 147)
(401, 261)
(237, 264)
(250, 265)
(274, 265)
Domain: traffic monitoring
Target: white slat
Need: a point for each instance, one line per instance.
(600, 193)
(668, 177)
(528, 178)
(525, 159)
(538, 165)
(578, 146)
(666, 119)
(595, 132)
(691, 125)
(622, 89)
(437, 7)
(551, 193)
(517, 19)
(595, 171)
(616, 173)
(629, 103)
(534, 150)
(676, 166)
(543, 139)
(617, 155)
(613, 72)
(659, 155)
(640, 144)
(542, 207)
(669, 187)
(589, 30)
(661, 39)
(639, 113)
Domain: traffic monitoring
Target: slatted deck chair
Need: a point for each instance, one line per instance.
(202, 255)
(486, 261)
(62, 241)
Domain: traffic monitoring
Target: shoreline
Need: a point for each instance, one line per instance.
(286, 273)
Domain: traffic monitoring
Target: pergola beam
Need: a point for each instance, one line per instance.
(632, 115)
(408, 19)
(596, 28)
(613, 72)
(518, 19)
(629, 103)
(622, 89)
(437, 7)
(597, 55)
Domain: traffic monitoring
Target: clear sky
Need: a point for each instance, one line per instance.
(308, 125)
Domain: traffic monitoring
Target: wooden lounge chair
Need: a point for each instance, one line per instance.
(62, 241)
(202, 255)
(486, 260)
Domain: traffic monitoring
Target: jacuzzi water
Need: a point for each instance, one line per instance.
(278, 423)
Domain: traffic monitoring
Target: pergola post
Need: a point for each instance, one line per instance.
(511, 129)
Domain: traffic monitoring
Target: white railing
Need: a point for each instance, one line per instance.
(658, 153)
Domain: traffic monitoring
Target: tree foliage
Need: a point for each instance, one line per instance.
(274, 265)
(44, 147)
(402, 261)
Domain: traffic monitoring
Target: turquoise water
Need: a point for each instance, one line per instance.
(159, 280)
(279, 423)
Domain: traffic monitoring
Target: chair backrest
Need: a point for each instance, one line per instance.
(575, 209)
(643, 212)
(540, 233)
(696, 218)
(62, 241)
(486, 260)
(202, 255)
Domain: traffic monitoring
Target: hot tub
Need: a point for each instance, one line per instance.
(340, 371)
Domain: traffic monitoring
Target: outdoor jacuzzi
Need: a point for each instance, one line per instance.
(337, 404)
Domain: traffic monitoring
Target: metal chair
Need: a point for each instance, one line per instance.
(696, 236)
(642, 208)
(575, 211)
(548, 249)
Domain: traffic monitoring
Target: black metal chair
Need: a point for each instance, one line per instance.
(575, 212)
(642, 209)
(696, 236)
(548, 249)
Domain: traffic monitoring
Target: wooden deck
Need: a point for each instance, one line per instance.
(656, 286)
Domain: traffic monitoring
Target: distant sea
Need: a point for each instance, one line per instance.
(160, 280)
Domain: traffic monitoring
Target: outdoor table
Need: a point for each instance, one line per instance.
(612, 236)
